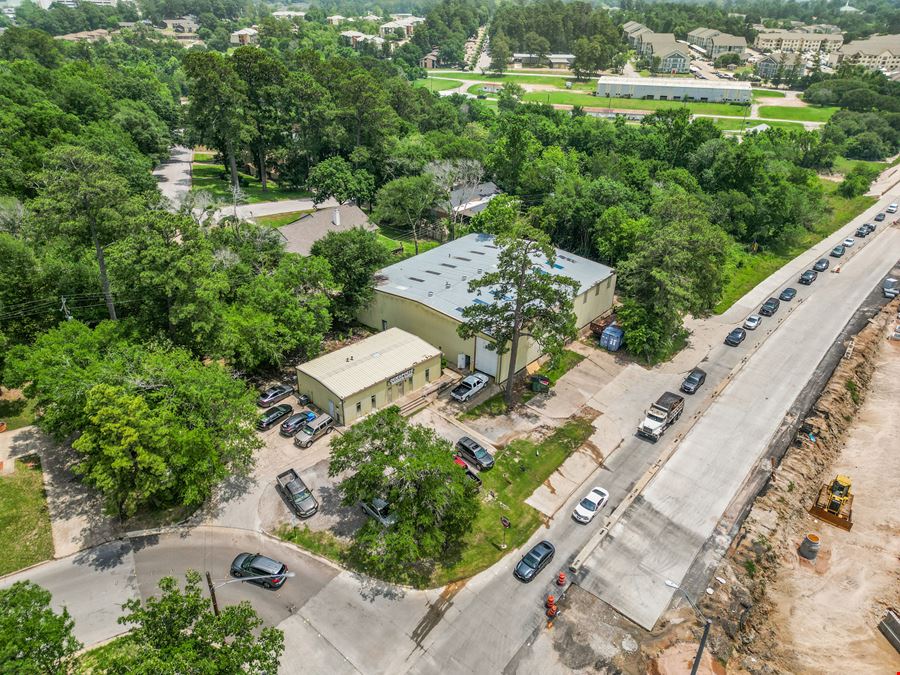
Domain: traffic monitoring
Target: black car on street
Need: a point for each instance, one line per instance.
(879, 217)
(273, 416)
(296, 422)
(534, 561)
(770, 306)
(735, 337)
(808, 277)
(788, 294)
(838, 252)
(821, 265)
(693, 381)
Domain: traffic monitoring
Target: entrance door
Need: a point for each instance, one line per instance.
(485, 357)
(331, 408)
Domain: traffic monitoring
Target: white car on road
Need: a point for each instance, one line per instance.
(848, 242)
(590, 506)
(752, 322)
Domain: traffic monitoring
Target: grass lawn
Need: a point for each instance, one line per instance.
(806, 114)
(97, 660)
(553, 80)
(767, 93)
(744, 270)
(213, 178)
(570, 98)
(25, 535)
(434, 84)
(204, 156)
(730, 124)
(409, 247)
(521, 468)
(279, 219)
(843, 165)
(16, 412)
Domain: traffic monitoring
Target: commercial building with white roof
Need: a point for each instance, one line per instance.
(352, 382)
(674, 89)
(426, 294)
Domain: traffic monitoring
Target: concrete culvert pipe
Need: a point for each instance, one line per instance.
(809, 547)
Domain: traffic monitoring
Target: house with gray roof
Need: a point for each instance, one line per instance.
(300, 235)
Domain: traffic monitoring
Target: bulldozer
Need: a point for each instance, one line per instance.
(834, 503)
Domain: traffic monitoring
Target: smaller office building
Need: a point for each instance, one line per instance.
(369, 375)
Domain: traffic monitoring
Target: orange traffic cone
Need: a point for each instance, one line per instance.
(550, 601)
(561, 579)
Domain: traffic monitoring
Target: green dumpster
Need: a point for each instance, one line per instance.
(540, 383)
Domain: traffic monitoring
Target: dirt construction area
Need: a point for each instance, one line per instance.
(828, 613)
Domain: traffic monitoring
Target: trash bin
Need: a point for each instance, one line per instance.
(611, 338)
(540, 383)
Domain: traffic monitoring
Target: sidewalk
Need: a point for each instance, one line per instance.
(247, 211)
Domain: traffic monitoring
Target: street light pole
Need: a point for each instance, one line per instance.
(706, 624)
(212, 589)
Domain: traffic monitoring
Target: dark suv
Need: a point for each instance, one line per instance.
(273, 416)
(473, 452)
(808, 277)
(273, 395)
(249, 565)
(862, 231)
(770, 306)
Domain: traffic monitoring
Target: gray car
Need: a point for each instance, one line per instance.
(693, 381)
(380, 510)
(250, 565)
(474, 453)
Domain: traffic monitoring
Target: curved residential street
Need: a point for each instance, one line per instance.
(666, 502)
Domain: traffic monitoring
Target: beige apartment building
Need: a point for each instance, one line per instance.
(879, 52)
(795, 41)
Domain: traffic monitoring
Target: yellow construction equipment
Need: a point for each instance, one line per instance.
(835, 503)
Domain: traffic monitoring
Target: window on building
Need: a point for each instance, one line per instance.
(358, 407)
(374, 404)
(428, 374)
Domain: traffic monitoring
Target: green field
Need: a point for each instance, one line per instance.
(25, 534)
(16, 412)
(409, 247)
(731, 124)
(214, 178)
(806, 114)
(767, 93)
(842, 165)
(571, 98)
(434, 84)
(744, 270)
(552, 80)
(279, 219)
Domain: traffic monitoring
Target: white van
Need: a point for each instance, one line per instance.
(892, 208)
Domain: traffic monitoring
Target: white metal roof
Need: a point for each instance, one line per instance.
(440, 278)
(674, 82)
(366, 363)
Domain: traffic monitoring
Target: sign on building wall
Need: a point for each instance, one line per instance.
(405, 375)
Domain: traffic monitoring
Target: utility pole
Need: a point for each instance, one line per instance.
(212, 594)
(706, 624)
(65, 310)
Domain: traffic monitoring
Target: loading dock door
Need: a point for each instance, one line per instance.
(485, 357)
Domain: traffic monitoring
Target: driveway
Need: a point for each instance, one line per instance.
(174, 175)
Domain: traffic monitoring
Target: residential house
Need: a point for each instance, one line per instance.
(184, 24)
(674, 57)
(405, 26)
(723, 43)
(335, 19)
(879, 52)
(300, 235)
(561, 61)
(245, 36)
(798, 41)
(430, 60)
(780, 64)
(288, 14)
(468, 200)
(702, 37)
(629, 28)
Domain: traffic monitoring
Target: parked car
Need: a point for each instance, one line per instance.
(693, 381)
(323, 424)
(879, 217)
(735, 337)
(848, 242)
(788, 294)
(273, 416)
(892, 208)
(295, 422)
(298, 496)
(273, 395)
(472, 476)
(872, 227)
(469, 386)
(821, 265)
(808, 277)
(473, 452)
(380, 510)
(591, 505)
(534, 561)
(770, 306)
(250, 565)
(838, 252)
(752, 322)
(862, 231)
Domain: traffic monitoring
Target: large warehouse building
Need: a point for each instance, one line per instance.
(373, 373)
(426, 294)
(674, 89)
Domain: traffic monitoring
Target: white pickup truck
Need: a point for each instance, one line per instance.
(470, 386)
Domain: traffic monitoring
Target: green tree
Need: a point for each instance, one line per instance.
(336, 178)
(501, 53)
(81, 198)
(510, 96)
(217, 113)
(177, 632)
(858, 180)
(537, 45)
(36, 640)
(353, 256)
(405, 204)
(527, 302)
(412, 469)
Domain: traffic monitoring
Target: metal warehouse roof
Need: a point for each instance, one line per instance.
(674, 82)
(368, 362)
(440, 278)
